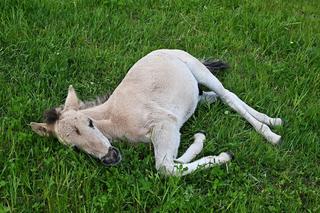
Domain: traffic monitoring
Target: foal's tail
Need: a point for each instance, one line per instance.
(214, 65)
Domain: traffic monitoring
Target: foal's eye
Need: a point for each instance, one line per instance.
(91, 123)
(77, 130)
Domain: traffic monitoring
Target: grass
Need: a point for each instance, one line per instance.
(272, 47)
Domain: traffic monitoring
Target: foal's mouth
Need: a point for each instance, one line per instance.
(113, 157)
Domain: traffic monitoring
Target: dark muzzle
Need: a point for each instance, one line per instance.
(113, 157)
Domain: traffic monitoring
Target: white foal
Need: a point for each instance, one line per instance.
(156, 97)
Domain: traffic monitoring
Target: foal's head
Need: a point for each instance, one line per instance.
(74, 128)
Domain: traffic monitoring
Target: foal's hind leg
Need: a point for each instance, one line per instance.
(194, 149)
(233, 101)
(203, 76)
(210, 97)
(258, 115)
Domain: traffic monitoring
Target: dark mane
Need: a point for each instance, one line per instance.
(51, 116)
(97, 101)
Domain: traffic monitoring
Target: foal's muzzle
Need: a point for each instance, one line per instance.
(113, 157)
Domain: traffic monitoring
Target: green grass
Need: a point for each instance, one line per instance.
(272, 47)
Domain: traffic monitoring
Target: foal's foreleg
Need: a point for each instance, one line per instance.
(166, 140)
(193, 150)
(205, 162)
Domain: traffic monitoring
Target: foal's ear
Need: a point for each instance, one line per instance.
(41, 128)
(72, 101)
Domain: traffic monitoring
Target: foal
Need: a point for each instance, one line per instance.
(156, 97)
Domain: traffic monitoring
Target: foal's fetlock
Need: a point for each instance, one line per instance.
(268, 134)
(277, 122)
(231, 155)
(225, 157)
(274, 138)
(222, 158)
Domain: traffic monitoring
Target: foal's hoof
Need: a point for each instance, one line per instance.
(225, 157)
(231, 155)
(275, 139)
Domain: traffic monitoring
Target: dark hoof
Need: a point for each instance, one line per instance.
(231, 155)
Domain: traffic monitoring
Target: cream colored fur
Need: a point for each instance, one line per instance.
(156, 97)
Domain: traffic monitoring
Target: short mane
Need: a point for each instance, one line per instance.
(91, 103)
(52, 115)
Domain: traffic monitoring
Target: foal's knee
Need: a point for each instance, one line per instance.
(165, 168)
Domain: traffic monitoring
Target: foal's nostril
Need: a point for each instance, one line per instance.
(112, 157)
(108, 162)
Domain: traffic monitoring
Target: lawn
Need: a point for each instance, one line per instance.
(273, 48)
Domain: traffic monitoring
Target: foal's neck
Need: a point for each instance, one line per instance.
(99, 112)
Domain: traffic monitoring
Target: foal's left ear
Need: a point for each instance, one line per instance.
(41, 128)
(72, 101)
